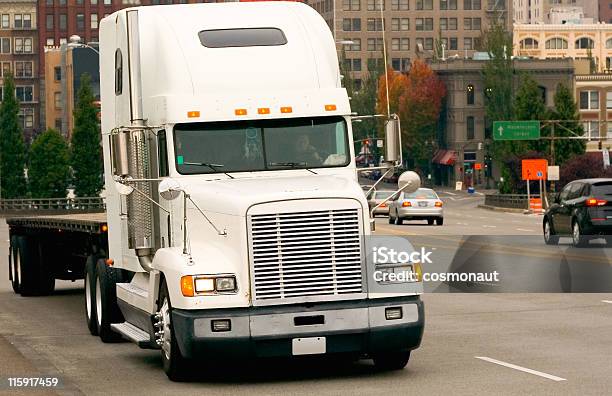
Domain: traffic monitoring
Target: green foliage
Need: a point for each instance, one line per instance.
(49, 171)
(566, 109)
(86, 155)
(12, 146)
(498, 79)
(528, 106)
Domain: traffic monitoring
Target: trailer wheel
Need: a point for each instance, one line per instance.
(14, 264)
(175, 365)
(33, 280)
(107, 310)
(90, 295)
(388, 361)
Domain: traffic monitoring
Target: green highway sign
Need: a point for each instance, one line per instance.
(516, 130)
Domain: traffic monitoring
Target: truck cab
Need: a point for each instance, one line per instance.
(236, 225)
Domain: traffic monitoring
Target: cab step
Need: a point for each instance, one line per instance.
(134, 334)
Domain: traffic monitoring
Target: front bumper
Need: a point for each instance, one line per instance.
(357, 327)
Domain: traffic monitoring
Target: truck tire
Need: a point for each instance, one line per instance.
(14, 263)
(107, 310)
(175, 365)
(34, 279)
(388, 361)
(90, 295)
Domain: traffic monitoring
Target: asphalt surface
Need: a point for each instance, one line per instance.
(474, 343)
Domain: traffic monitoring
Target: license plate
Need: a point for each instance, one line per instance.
(308, 346)
(422, 203)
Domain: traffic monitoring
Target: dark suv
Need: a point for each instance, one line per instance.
(582, 210)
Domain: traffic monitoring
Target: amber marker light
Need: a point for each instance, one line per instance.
(187, 286)
(193, 114)
(286, 109)
(330, 107)
(263, 110)
(240, 112)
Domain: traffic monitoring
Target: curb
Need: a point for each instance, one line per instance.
(500, 209)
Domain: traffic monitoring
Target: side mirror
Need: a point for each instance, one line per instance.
(170, 189)
(123, 188)
(557, 198)
(409, 182)
(393, 140)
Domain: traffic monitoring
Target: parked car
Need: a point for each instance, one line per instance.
(582, 210)
(423, 204)
(377, 197)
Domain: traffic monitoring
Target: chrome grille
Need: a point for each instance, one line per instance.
(305, 254)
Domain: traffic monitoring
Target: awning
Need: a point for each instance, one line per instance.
(445, 157)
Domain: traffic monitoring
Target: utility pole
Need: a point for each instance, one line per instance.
(552, 154)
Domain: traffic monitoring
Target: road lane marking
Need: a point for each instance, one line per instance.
(489, 226)
(446, 192)
(523, 369)
(606, 301)
(525, 229)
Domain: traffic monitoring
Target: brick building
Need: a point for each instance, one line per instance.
(19, 55)
(412, 28)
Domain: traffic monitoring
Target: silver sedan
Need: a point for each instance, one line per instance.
(377, 197)
(423, 204)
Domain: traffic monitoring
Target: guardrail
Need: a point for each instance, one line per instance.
(515, 201)
(52, 205)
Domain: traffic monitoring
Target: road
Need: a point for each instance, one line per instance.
(496, 343)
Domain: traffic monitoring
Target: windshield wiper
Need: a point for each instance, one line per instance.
(211, 166)
(292, 165)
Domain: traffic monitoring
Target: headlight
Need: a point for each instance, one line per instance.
(207, 284)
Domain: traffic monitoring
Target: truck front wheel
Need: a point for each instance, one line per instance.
(395, 360)
(175, 365)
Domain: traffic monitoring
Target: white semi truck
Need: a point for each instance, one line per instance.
(234, 222)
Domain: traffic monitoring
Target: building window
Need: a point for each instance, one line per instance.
(49, 22)
(590, 129)
(351, 5)
(470, 126)
(23, 45)
(400, 24)
(374, 5)
(25, 93)
(589, 100)
(5, 45)
(425, 43)
(468, 43)
(609, 100)
(57, 73)
(584, 43)
(375, 24)
(470, 94)
(449, 43)
(400, 5)
(50, 42)
(400, 44)
(57, 100)
(50, 3)
(63, 40)
(63, 22)
(26, 118)
(94, 2)
(471, 4)
(18, 21)
(556, 43)
(6, 68)
(448, 4)
(355, 46)
(62, 2)
(80, 21)
(375, 44)
(471, 23)
(23, 69)
(424, 24)
(448, 23)
(79, 2)
(58, 124)
(375, 64)
(529, 43)
(609, 41)
(5, 21)
(107, 2)
(424, 4)
(93, 21)
(351, 24)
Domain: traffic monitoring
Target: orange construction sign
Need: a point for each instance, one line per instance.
(535, 169)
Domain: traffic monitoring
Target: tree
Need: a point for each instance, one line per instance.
(12, 146)
(498, 79)
(566, 109)
(49, 171)
(584, 166)
(86, 156)
(417, 98)
(528, 105)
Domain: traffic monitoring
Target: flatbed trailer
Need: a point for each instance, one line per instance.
(46, 248)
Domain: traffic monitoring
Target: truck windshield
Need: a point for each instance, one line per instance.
(243, 146)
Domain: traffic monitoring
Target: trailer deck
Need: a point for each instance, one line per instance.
(81, 222)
